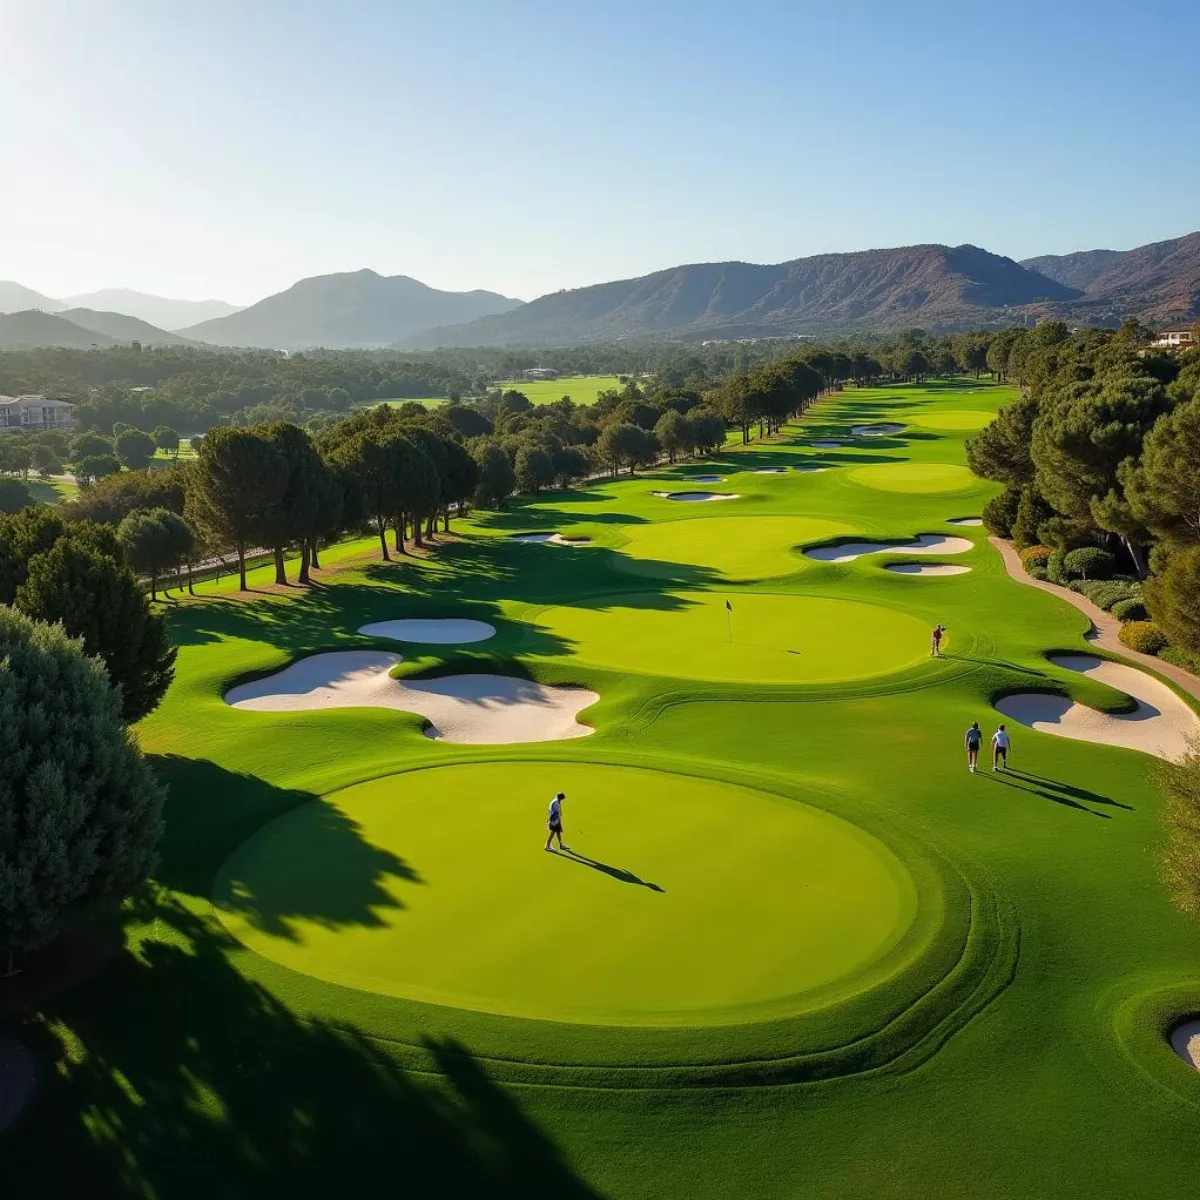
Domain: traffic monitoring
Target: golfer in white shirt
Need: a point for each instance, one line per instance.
(554, 823)
(1000, 744)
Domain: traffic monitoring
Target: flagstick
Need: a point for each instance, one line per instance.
(729, 623)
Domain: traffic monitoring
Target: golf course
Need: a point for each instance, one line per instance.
(792, 947)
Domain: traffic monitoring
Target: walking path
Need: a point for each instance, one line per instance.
(1105, 627)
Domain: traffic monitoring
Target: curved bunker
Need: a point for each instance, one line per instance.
(883, 429)
(431, 631)
(927, 543)
(927, 569)
(696, 497)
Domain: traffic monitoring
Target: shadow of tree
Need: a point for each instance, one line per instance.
(175, 1076)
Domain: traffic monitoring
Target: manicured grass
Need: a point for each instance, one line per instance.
(583, 389)
(51, 491)
(867, 973)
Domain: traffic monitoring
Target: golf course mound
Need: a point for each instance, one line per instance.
(553, 539)
(1161, 724)
(766, 638)
(706, 479)
(926, 543)
(694, 497)
(883, 429)
(431, 631)
(973, 522)
(915, 477)
(681, 901)
(1185, 1041)
(473, 709)
(740, 548)
(927, 569)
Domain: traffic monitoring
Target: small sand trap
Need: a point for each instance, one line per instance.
(1160, 724)
(974, 522)
(696, 497)
(927, 543)
(826, 445)
(476, 709)
(927, 569)
(808, 468)
(434, 632)
(18, 1072)
(884, 429)
(771, 471)
(1185, 1041)
(552, 539)
(706, 479)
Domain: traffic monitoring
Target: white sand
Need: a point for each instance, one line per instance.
(553, 539)
(808, 469)
(707, 479)
(1160, 725)
(972, 521)
(434, 632)
(927, 543)
(826, 445)
(697, 497)
(479, 709)
(883, 429)
(770, 470)
(927, 569)
(1185, 1041)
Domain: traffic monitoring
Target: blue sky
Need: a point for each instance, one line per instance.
(229, 147)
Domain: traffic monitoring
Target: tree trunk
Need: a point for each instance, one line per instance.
(1135, 553)
(191, 589)
(280, 568)
(242, 565)
(398, 529)
(303, 576)
(382, 538)
(431, 526)
(446, 519)
(416, 522)
(313, 547)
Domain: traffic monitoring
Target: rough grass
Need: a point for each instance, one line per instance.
(1008, 1040)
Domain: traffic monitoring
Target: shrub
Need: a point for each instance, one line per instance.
(1055, 571)
(1180, 784)
(1035, 556)
(1032, 510)
(1038, 573)
(1130, 610)
(1104, 593)
(1173, 598)
(80, 810)
(1000, 511)
(1180, 658)
(1143, 636)
(1090, 562)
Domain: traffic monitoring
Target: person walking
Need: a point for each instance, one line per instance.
(974, 738)
(939, 631)
(554, 824)
(1000, 744)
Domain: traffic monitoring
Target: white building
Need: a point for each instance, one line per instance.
(1174, 339)
(35, 412)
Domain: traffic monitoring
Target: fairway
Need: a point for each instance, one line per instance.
(968, 421)
(583, 389)
(765, 639)
(915, 477)
(686, 901)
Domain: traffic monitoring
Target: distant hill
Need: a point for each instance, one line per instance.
(23, 330)
(159, 311)
(352, 309)
(937, 287)
(121, 328)
(15, 297)
(1158, 282)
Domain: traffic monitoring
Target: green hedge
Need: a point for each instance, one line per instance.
(1130, 609)
(1089, 562)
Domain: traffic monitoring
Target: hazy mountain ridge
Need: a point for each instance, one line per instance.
(122, 328)
(347, 310)
(33, 328)
(16, 297)
(162, 312)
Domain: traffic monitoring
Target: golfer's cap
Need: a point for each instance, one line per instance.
(561, 796)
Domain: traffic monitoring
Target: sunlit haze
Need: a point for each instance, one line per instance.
(227, 149)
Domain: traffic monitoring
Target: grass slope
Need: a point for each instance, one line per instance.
(1002, 1037)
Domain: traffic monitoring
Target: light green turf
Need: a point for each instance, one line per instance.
(583, 389)
(968, 420)
(751, 548)
(684, 901)
(766, 639)
(914, 477)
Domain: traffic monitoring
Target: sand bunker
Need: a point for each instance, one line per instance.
(478, 709)
(17, 1075)
(1185, 1041)
(553, 539)
(1160, 724)
(433, 632)
(884, 429)
(975, 522)
(927, 543)
(707, 479)
(927, 569)
(697, 496)
(826, 445)
(808, 468)
(770, 471)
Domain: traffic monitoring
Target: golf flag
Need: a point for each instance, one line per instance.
(728, 606)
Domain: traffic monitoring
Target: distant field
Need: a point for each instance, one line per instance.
(430, 400)
(583, 389)
(50, 491)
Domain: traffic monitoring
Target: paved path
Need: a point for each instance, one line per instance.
(1105, 626)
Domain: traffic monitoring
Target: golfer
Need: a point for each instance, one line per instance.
(974, 738)
(554, 824)
(939, 632)
(1000, 744)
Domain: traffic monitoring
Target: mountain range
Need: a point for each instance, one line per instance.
(936, 287)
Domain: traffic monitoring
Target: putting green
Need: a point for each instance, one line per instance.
(775, 638)
(953, 419)
(915, 477)
(737, 549)
(690, 902)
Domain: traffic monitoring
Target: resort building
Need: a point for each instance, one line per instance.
(1175, 339)
(35, 412)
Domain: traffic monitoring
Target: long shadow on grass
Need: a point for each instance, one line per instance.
(1057, 793)
(617, 873)
(173, 1075)
(343, 880)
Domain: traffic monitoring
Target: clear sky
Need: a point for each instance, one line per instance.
(226, 148)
